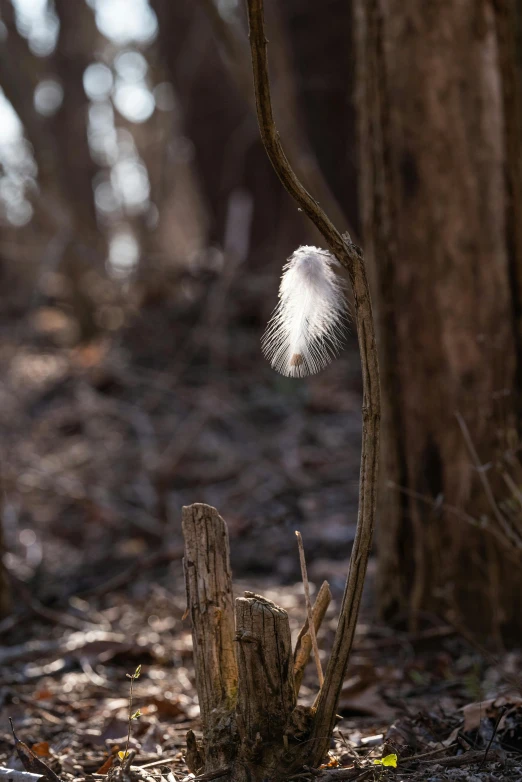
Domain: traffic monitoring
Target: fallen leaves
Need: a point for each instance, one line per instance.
(474, 713)
(41, 749)
(31, 762)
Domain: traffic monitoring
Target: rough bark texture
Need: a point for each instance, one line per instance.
(434, 203)
(209, 596)
(252, 727)
(266, 693)
(5, 592)
(508, 15)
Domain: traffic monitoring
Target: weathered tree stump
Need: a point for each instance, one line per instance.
(266, 694)
(209, 600)
(252, 727)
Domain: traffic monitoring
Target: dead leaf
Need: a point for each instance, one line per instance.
(474, 713)
(41, 749)
(106, 766)
(452, 737)
(168, 707)
(32, 762)
(43, 695)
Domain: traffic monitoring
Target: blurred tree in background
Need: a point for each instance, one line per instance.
(131, 173)
(440, 126)
(133, 177)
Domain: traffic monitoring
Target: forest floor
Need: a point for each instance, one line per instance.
(102, 447)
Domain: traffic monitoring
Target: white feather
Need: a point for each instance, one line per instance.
(306, 328)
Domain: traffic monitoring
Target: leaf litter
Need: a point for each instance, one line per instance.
(105, 447)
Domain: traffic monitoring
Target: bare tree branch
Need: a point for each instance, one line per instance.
(351, 258)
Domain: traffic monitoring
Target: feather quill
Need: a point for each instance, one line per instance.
(306, 328)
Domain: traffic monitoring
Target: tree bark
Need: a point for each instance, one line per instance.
(72, 56)
(266, 692)
(253, 728)
(508, 15)
(5, 591)
(209, 599)
(84, 257)
(442, 249)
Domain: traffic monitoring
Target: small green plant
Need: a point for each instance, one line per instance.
(132, 716)
(388, 760)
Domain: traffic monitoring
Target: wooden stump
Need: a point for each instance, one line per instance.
(252, 727)
(266, 692)
(209, 599)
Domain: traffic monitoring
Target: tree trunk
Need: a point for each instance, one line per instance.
(66, 206)
(5, 592)
(222, 127)
(323, 77)
(439, 184)
(84, 256)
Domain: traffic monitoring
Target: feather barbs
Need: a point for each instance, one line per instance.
(306, 329)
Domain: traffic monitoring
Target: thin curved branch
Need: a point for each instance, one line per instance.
(351, 258)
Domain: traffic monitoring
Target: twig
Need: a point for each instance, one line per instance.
(303, 645)
(512, 486)
(424, 755)
(472, 756)
(512, 537)
(338, 774)
(351, 258)
(49, 614)
(459, 513)
(311, 623)
(501, 713)
(161, 762)
(220, 772)
(515, 491)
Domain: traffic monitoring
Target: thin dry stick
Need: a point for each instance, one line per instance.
(311, 625)
(512, 486)
(351, 258)
(512, 536)
(517, 495)
(513, 551)
(303, 645)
